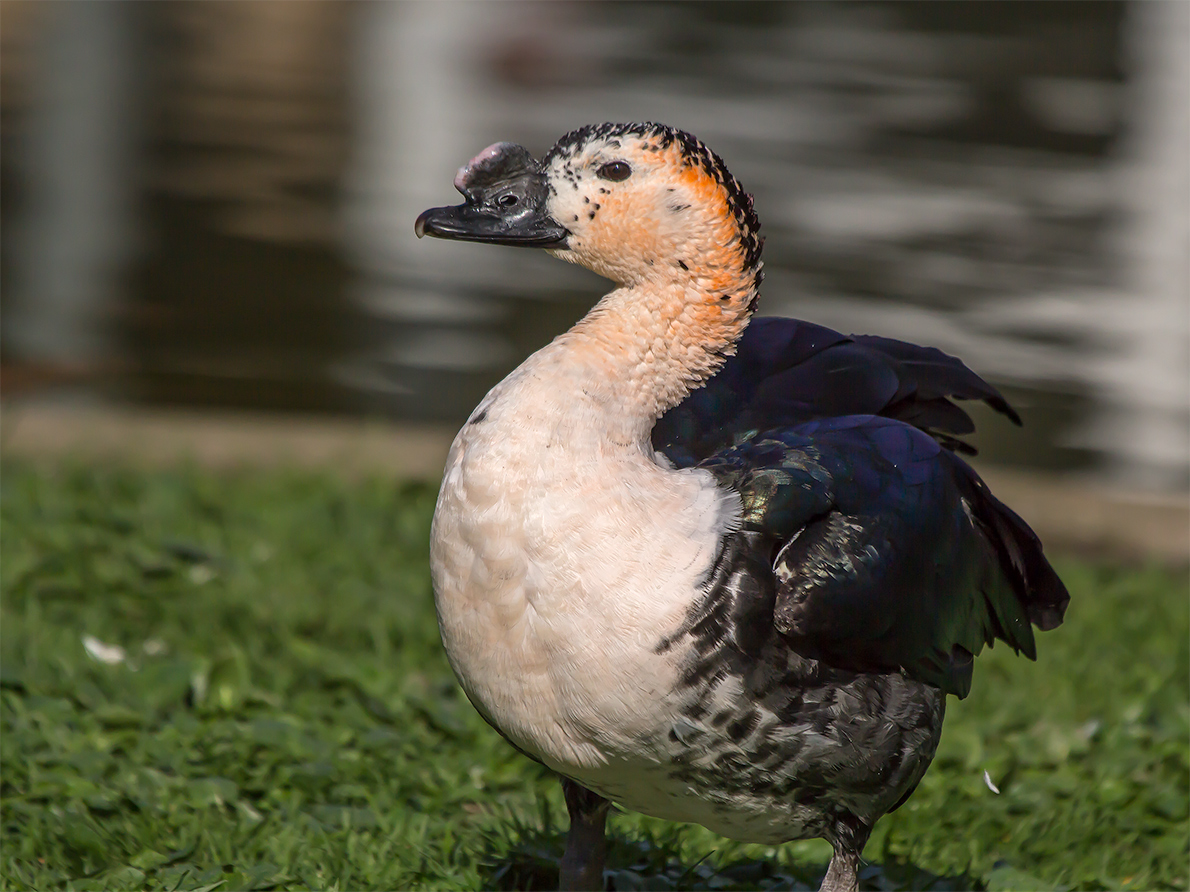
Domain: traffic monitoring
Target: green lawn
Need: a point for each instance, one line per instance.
(284, 717)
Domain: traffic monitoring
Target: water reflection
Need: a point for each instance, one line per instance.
(1001, 180)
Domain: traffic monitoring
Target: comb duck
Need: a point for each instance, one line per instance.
(710, 568)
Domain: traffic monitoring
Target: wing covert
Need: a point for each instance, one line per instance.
(887, 550)
(786, 372)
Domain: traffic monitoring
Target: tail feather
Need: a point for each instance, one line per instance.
(1019, 555)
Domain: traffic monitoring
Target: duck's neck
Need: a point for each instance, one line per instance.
(640, 351)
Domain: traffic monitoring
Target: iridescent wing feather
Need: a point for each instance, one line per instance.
(889, 552)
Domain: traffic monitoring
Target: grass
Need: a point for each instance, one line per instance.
(283, 716)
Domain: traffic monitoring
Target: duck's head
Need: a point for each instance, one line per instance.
(632, 202)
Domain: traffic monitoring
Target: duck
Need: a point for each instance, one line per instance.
(708, 567)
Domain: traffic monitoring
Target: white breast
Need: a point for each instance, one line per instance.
(560, 559)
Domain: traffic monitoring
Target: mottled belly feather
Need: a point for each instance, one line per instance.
(770, 746)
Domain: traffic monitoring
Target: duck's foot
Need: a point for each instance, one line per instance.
(581, 867)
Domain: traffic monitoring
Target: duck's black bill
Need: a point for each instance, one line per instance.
(506, 192)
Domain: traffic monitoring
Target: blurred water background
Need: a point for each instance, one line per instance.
(212, 204)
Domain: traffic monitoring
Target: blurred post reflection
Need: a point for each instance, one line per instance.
(240, 298)
(1145, 423)
(71, 112)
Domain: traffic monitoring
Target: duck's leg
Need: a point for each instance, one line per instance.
(849, 838)
(843, 874)
(582, 864)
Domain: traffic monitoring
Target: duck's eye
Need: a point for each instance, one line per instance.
(507, 201)
(616, 171)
